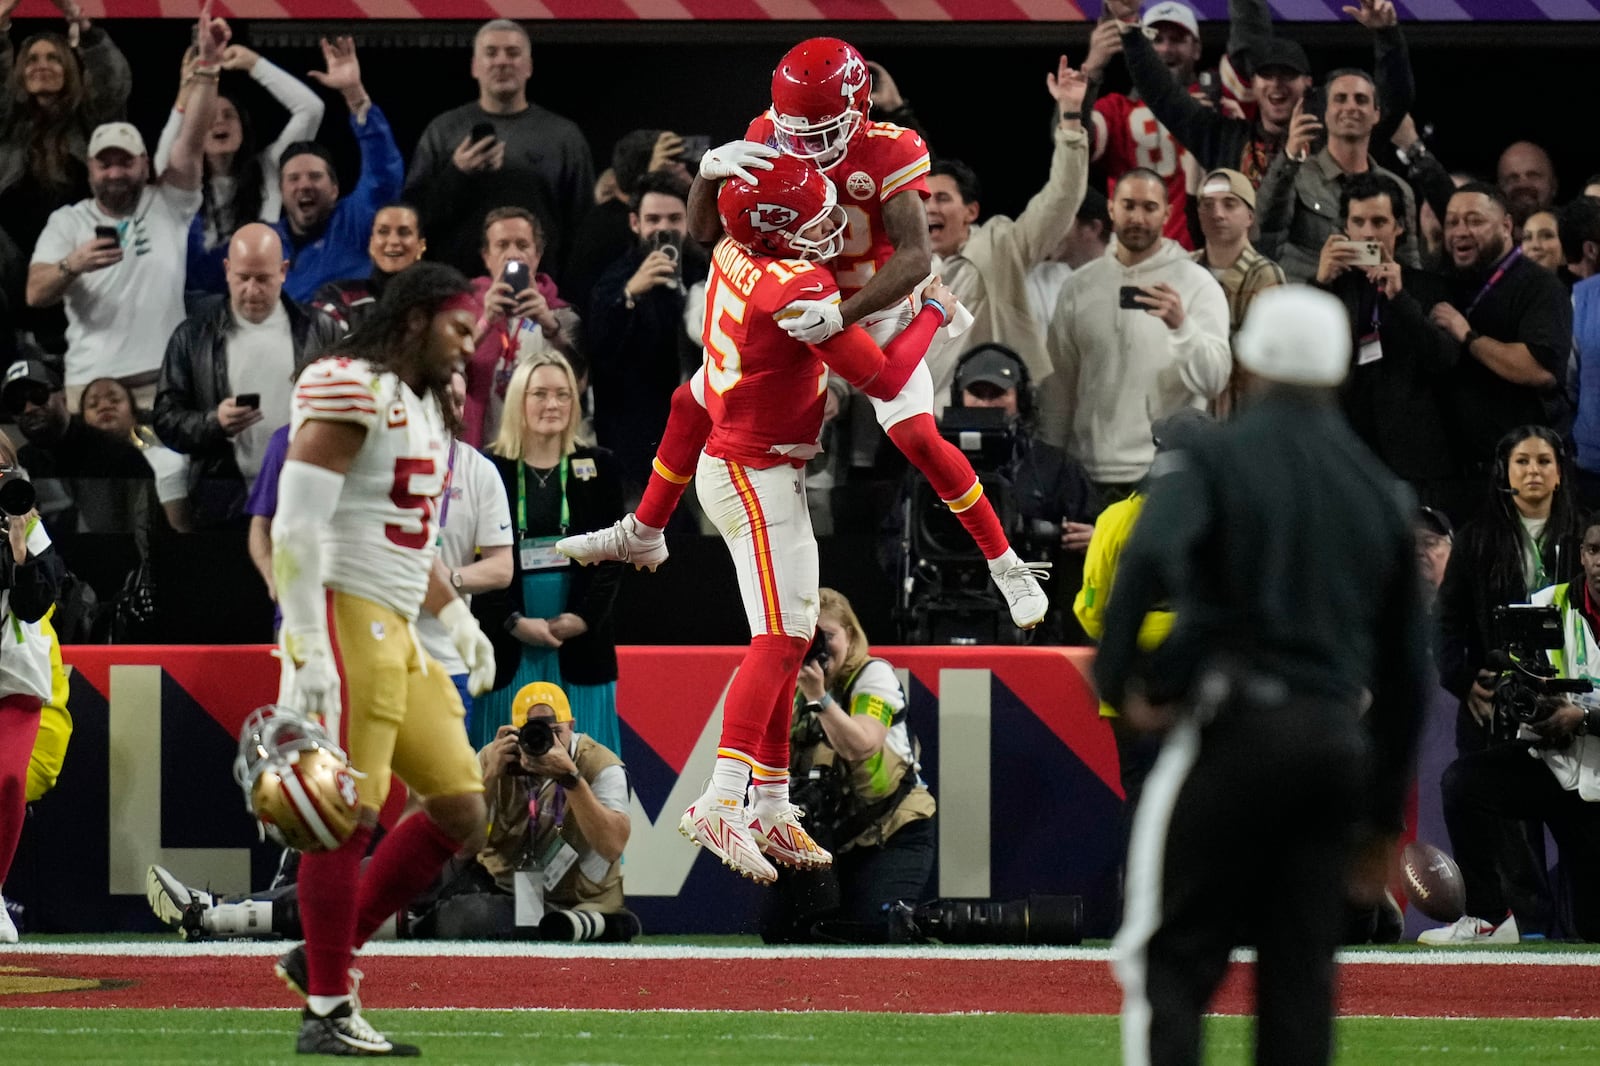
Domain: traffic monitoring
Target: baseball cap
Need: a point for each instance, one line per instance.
(1224, 180)
(1279, 52)
(996, 365)
(536, 694)
(30, 370)
(1296, 335)
(1171, 11)
(1434, 522)
(116, 135)
(1180, 429)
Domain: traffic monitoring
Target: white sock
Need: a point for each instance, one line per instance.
(642, 529)
(322, 1006)
(1004, 562)
(770, 794)
(251, 917)
(729, 779)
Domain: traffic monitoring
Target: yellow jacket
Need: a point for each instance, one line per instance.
(1111, 532)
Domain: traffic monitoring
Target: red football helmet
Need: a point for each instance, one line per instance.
(772, 218)
(820, 94)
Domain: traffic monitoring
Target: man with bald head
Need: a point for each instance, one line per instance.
(1528, 178)
(229, 371)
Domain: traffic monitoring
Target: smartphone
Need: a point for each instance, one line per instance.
(247, 399)
(1315, 102)
(1368, 253)
(670, 244)
(695, 145)
(482, 130)
(107, 233)
(516, 276)
(1211, 86)
(1128, 297)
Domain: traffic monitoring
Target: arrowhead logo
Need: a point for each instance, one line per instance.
(770, 218)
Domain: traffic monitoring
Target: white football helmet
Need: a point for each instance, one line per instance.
(297, 781)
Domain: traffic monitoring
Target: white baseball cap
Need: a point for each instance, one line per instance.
(1172, 11)
(116, 135)
(1296, 335)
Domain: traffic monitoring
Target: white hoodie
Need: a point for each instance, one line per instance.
(1116, 371)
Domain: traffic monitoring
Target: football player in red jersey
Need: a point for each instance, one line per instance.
(763, 392)
(820, 95)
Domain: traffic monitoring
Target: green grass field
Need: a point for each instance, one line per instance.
(176, 1038)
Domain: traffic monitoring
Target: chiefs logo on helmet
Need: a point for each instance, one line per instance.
(296, 780)
(853, 77)
(771, 218)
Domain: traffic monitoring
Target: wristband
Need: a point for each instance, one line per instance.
(1072, 116)
(511, 621)
(1591, 721)
(1472, 335)
(569, 781)
(929, 301)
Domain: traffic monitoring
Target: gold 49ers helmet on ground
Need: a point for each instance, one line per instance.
(296, 780)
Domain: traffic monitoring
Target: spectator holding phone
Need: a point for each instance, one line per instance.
(639, 351)
(228, 375)
(500, 150)
(523, 316)
(1137, 334)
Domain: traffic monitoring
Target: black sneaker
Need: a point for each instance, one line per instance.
(344, 1032)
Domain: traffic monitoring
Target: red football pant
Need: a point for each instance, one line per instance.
(19, 728)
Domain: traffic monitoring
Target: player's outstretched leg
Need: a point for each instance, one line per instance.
(637, 538)
(957, 484)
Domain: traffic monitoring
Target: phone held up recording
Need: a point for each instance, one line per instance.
(516, 276)
(1128, 298)
(670, 244)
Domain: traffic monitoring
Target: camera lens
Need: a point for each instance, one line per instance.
(536, 737)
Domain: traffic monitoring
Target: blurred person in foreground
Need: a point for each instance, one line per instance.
(1269, 767)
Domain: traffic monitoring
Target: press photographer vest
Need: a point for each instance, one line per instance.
(886, 795)
(510, 843)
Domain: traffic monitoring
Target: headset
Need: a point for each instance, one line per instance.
(1024, 380)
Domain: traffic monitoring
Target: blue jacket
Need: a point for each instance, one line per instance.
(340, 249)
(1586, 345)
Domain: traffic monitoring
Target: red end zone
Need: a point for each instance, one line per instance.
(843, 982)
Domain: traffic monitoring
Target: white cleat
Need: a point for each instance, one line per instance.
(1019, 584)
(779, 834)
(620, 542)
(1469, 930)
(718, 826)
(8, 928)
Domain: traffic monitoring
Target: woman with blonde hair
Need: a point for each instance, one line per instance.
(853, 756)
(554, 621)
(30, 580)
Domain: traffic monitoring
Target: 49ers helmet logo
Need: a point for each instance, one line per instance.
(853, 75)
(770, 218)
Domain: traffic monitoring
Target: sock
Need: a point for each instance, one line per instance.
(688, 426)
(327, 888)
(250, 917)
(322, 1006)
(408, 861)
(952, 477)
(731, 776)
(771, 787)
(766, 675)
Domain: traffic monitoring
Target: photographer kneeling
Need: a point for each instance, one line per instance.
(558, 822)
(1550, 774)
(853, 769)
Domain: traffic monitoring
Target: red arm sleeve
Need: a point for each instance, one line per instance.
(880, 374)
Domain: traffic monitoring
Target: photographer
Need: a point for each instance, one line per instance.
(637, 348)
(30, 580)
(854, 770)
(1490, 795)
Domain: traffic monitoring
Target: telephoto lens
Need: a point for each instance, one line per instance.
(536, 737)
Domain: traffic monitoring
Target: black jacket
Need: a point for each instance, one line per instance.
(595, 503)
(194, 380)
(1397, 403)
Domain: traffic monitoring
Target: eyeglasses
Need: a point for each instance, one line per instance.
(560, 396)
(20, 396)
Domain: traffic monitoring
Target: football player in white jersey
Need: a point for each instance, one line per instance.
(354, 545)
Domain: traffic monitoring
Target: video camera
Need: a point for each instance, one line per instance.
(1525, 691)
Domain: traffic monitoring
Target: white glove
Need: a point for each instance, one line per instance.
(736, 159)
(312, 688)
(818, 320)
(474, 648)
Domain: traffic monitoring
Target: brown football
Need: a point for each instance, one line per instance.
(1433, 881)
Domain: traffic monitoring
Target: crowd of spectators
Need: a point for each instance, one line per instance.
(181, 289)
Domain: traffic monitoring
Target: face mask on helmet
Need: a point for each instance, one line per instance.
(823, 143)
(297, 782)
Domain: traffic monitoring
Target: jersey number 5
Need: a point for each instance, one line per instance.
(722, 363)
(401, 496)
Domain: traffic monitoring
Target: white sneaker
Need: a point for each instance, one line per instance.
(1470, 930)
(1019, 584)
(778, 833)
(718, 825)
(620, 542)
(175, 903)
(8, 928)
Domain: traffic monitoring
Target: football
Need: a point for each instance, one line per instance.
(1433, 881)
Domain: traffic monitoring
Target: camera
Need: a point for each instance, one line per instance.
(1035, 920)
(17, 496)
(823, 793)
(818, 652)
(535, 738)
(1525, 690)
